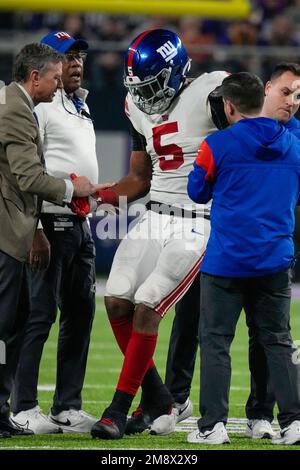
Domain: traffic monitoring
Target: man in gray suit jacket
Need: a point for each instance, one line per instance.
(23, 185)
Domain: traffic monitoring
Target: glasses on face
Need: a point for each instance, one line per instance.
(78, 55)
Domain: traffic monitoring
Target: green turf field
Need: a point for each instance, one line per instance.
(103, 369)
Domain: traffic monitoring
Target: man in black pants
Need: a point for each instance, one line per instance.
(183, 347)
(252, 173)
(23, 185)
(69, 282)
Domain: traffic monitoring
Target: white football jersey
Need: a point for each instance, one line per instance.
(173, 139)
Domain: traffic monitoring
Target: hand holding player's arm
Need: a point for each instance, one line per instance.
(82, 206)
(135, 185)
(82, 186)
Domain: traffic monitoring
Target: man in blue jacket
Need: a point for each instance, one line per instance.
(278, 105)
(281, 103)
(252, 173)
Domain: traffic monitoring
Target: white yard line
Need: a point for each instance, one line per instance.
(87, 402)
(234, 425)
(51, 387)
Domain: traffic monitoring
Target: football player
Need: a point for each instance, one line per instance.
(160, 257)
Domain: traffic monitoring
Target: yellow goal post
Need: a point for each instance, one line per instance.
(206, 8)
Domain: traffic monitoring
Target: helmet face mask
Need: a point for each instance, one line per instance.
(152, 95)
(156, 64)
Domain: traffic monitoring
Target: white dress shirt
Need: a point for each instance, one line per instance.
(69, 185)
(68, 140)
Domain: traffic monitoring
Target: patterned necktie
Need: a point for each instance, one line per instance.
(36, 118)
(78, 103)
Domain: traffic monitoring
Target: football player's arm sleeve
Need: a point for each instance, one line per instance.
(138, 140)
(137, 182)
(201, 178)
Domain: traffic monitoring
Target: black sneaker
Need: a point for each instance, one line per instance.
(139, 421)
(110, 426)
(4, 435)
(7, 425)
(142, 418)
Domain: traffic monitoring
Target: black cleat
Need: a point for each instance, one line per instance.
(139, 421)
(142, 419)
(110, 426)
(8, 426)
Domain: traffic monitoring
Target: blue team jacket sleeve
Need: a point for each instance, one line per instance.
(201, 178)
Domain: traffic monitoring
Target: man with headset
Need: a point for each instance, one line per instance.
(68, 282)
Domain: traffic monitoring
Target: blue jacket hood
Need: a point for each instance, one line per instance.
(265, 138)
(293, 125)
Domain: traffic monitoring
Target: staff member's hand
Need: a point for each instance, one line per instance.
(82, 206)
(82, 186)
(39, 255)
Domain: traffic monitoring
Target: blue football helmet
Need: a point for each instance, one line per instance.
(156, 64)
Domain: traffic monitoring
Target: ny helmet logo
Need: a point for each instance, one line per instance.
(167, 51)
(62, 36)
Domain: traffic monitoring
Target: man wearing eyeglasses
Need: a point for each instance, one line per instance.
(68, 281)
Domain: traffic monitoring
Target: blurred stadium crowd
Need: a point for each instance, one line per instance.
(271, 34)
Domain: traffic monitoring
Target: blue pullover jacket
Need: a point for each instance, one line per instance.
(252, 172)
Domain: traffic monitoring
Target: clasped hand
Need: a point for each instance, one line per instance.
(82, 206)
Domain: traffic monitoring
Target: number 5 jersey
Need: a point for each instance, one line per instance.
(172, 139)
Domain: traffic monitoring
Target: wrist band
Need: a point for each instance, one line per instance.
(107, 196)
